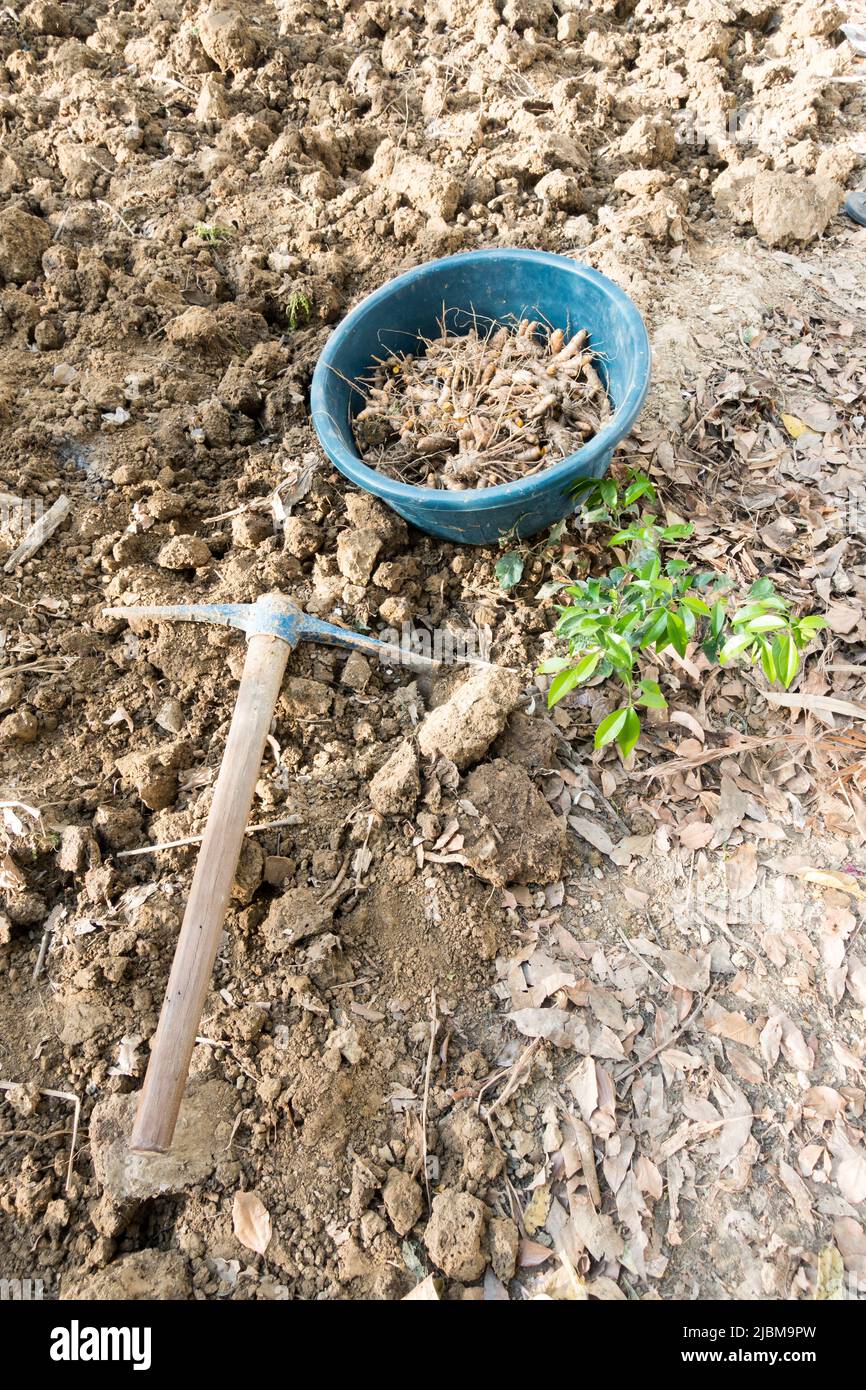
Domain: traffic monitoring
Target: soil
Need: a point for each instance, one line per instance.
(190, 198)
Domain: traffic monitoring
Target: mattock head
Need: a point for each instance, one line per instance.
(279, 617)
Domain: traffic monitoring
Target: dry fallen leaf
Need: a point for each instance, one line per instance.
(251, 1222)
(830, 1274)
(741, 872)
(797, 1191)
(734, 1026)
(590, 831)
(428, 1290)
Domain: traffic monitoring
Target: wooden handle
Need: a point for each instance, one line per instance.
(200, 933)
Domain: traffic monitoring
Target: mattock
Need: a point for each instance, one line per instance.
(274, 626)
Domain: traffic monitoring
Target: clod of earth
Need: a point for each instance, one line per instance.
(294, 916)
(397, 785)
(145, 1274)
(200, 1139)
(455, 1235)
(791, 208)
(465, 726)
(516, 838)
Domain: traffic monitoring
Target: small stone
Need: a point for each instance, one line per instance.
(455, 1233)
(372, 1225)
(78, 849)
(250, 529)
(344, 1044)
(278, 869)
(165, 506)
(357, 553)
(301, 538)
(296, 915)
(20, 727)
(649, 141)
(356, 672)
(403, 1200)
(561, 191)
(397, 785)
(27, 909)
(248, 874)
(11, 691)
(153, 773)
(184, 553)
(169, 716)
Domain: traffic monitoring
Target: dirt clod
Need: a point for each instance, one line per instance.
(455, 1233)
(145, 1274)
(294, 916)
(396, 786)
(464, 727)
(199, 1141)
(788, 208)
(403, 1200)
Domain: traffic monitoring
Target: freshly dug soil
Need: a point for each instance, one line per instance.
(488, 405)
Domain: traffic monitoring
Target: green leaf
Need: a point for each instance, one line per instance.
(651, 695)
(607, 488)
(548, 589)
(734, 647)
(567, 680)
(509, 569)
(755, 610)
(629, 733)
(610, 727)
(697, 605)
(762, 588)
(812, 624)
(767, 622)
(676, 633)
(641, 487)
(551, 666)
(768, 663)
(786, 657)
(658, 626)
(618, 652)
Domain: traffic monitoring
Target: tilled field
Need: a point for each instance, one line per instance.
(491, 1007)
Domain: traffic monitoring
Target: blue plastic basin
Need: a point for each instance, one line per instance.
(495, 284)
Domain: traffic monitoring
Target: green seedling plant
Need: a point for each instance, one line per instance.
(298, 310)
(212, 232)
(653, 604)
